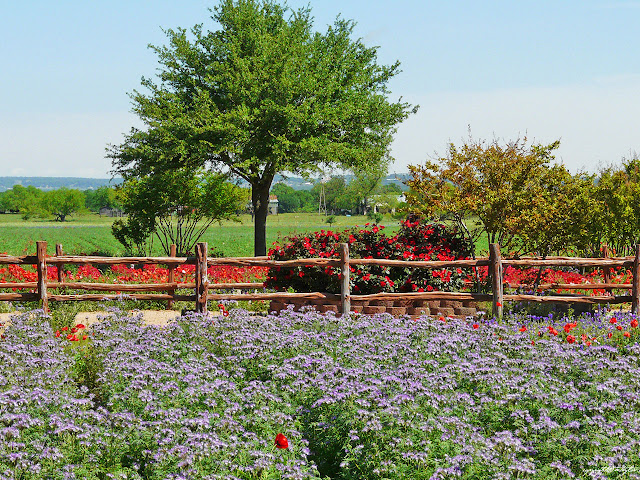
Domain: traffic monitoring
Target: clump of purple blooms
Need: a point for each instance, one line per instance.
(361, 397)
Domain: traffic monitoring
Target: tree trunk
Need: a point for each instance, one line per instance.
(260, 201)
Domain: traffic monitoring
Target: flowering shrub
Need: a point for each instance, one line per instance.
(309, 396)
(433, 241)
(415, 241)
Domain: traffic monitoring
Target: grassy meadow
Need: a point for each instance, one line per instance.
(89, 234)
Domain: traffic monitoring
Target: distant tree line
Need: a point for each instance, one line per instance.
(335, 196)
(31, 202)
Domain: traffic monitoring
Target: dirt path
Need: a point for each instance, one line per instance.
(159, 318)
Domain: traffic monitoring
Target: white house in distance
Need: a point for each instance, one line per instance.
(272, 209)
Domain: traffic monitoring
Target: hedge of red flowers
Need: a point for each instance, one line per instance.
(416, 240)
(126, 274)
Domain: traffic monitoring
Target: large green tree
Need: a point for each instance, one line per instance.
(260, 95)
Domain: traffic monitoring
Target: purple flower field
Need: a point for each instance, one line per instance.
(357, 398)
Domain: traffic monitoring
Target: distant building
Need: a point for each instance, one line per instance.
(111, 212)
(273, 205)
(272, 209)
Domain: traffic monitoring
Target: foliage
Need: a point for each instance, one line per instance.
(415, 241)
(615, 216)
(509, 191)
(263, 94)
(177, 207)
(208, 399)
(101, 197)
(62, 202)
(288, 198)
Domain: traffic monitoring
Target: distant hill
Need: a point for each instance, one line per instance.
(52, 183)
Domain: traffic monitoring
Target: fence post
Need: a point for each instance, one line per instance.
(606, 271)
(345, 287)
(172, 274)
(201, 277)
(495, 270)
(60, 266)
(635, 292)
(41, 268)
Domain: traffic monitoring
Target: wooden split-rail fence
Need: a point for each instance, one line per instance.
(205, 291)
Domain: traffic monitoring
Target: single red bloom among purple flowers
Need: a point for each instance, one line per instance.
(281, 441)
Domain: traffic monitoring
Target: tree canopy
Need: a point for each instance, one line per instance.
(262, 94)
(513, 193)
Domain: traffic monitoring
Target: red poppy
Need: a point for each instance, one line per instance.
(498, 304)
(609, 335)
(57, 333)
(570, 326)
(80, 326)
(523, 328)
(627, 334)
(225, 313)
(281, 441)
(612, 320)
(476, 326)
(634, 323)
(619, 327)
(84, 337)
(571, 339)
(64, 329)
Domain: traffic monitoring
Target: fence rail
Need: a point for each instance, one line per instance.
(203, 288)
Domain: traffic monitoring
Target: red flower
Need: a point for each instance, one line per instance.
(476, 326)
(80, 326)
(619, 327)
(571, 339)
(498, 304)
(634, 323)
(609, 335)
(281, 441)
(523, 328)
(570, 326)
(612, 320)
(627, 334)
(57, 333)
(64, 329)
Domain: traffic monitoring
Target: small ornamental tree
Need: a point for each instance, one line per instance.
(174, 207)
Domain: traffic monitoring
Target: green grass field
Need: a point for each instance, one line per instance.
(91, 234)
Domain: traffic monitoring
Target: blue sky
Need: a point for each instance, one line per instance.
(549, 70)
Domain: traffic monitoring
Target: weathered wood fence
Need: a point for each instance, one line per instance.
(203, 288)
